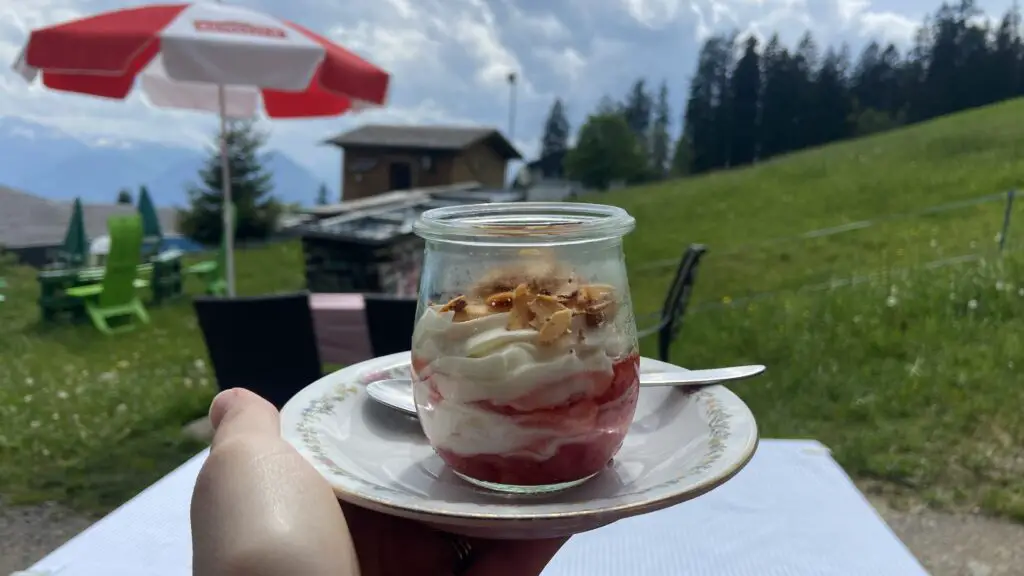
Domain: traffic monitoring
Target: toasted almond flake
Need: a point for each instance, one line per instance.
(501, 302)
(471, 312)
(520, 316)
(457, 304)
(555, 327)
(543, 307)
(597, 291)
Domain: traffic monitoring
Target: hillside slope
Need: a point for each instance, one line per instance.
(963, 156)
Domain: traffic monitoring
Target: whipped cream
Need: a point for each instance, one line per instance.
(480, 360)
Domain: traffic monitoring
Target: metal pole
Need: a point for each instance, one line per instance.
(1006, 219)
(226, 208)
(511, 105)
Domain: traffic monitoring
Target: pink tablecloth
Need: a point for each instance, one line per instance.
(340, 323)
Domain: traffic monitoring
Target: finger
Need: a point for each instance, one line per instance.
(258, 507)
(239, 413)
(514, 557)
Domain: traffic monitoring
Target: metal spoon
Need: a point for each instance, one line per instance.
(397, 393)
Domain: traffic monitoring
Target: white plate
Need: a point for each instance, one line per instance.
(680, 445)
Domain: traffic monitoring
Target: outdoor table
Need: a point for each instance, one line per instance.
(341, 332)
(163, 272)
(792, 511)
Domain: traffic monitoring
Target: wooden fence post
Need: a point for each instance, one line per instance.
(1006, 219)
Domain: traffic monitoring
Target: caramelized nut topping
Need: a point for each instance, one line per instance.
(541, 294)
(457, 304)
(471, 312)
(544, 307)
(520, 316)
(555, 327)
(500, 302)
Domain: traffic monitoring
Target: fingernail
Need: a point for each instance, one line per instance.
(221, 404)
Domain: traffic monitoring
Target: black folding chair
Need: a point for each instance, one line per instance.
(668, 324)
(390, 320)
(266, 344)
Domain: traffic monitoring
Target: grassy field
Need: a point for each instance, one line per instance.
(89, 420)
(964, 156)
(909, 378)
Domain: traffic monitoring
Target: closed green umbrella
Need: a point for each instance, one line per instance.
(76, 245)
(150, 220)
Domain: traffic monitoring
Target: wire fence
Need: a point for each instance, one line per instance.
(997, 241)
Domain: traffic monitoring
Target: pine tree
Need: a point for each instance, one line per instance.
(251, 186)
(556, 131)
(637, 111)
(661, 142)
(776, 100)
(706, 119)
(745, 96)
(322, 196)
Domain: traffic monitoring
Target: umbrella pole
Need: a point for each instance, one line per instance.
(227, 208)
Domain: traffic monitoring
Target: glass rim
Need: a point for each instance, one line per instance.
(524, 222)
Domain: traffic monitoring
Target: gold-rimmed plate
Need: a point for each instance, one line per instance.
(680, 446)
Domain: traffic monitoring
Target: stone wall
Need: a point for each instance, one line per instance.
(336, 264)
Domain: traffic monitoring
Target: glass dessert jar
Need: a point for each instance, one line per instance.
(525, 359)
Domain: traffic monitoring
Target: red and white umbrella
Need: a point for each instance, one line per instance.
(205, 56)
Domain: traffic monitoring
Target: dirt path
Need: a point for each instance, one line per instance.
(27, 533)
(947, 544)
(958, 544)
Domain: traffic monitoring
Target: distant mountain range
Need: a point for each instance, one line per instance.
(48, 162)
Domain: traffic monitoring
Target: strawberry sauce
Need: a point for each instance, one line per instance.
(586, 431)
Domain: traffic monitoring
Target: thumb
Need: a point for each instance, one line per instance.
(239, 413)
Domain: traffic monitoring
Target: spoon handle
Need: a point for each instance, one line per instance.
(700, 377)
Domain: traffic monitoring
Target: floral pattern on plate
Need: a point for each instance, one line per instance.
(680, 446)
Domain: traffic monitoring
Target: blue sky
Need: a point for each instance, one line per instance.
(450, 58)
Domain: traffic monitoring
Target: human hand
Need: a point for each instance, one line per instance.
(259, 509)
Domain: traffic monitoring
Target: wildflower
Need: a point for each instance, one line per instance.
(188, 382)
(973, 244)
(45, 452)
(999, 285)
(199, 364)
(27, 398)
(29, 381)
(726, 300)
(123, 364)
(62, 395)
(121, 408)
(35, 424)
(1020, 292)
(203, 381)
(934, 243)
(972, 304)
(891, 301)
(55, 416)
(1009, 364)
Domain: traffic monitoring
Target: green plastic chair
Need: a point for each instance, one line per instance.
(115, 296)
(213, 272)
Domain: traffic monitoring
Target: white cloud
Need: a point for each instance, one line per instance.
(450, 58)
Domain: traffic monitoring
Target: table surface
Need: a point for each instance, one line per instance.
(791, 512)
